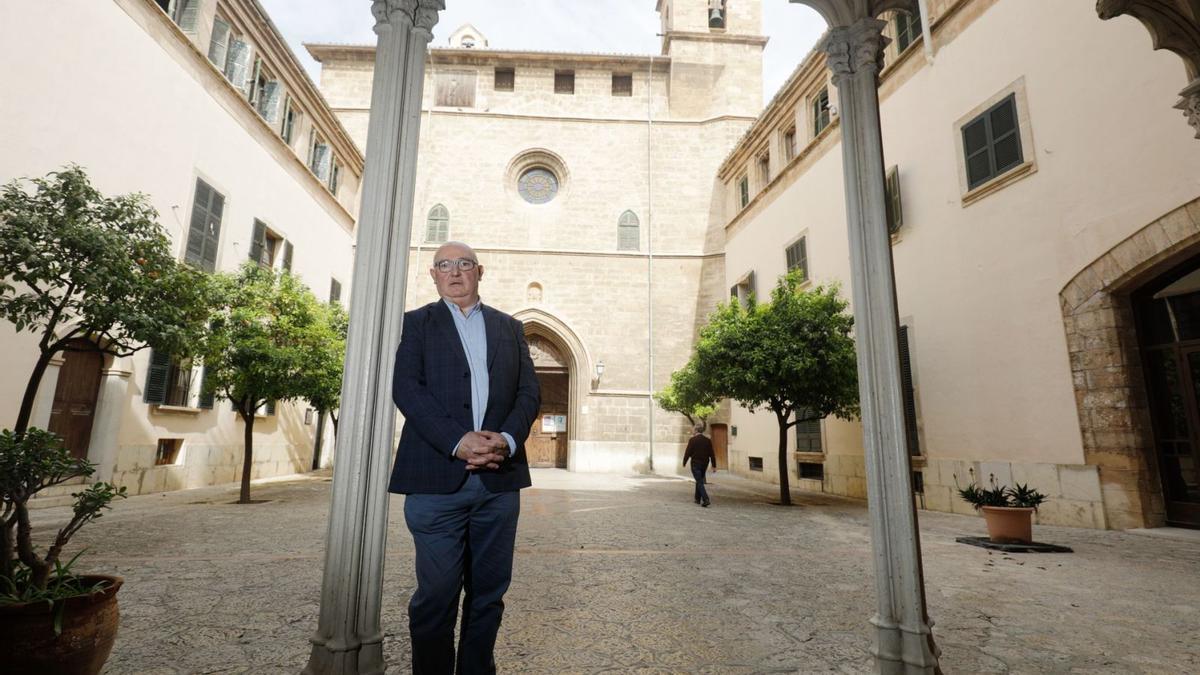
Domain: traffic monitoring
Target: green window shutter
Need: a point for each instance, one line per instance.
(288, 250)
(335, 290)
(218, 48)
(895, 206)
(269, 409)
(188, 16)
(908, 394)
(212, 235)
(198, 228)
(258, 241)
(206, 398)
(808, 433)
(158, 377)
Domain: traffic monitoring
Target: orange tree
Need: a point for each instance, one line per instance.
(793, 356)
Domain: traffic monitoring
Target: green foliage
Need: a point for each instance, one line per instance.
(269, 340)
(77, 264)
(29, 463)
(794, 355)
(685, 396)
(1020, 495)
(323, 388)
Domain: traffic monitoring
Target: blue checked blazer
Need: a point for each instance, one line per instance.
(431, 386)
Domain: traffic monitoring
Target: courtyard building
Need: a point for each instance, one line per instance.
(200, 105)
(1044, 220)
(586, 183)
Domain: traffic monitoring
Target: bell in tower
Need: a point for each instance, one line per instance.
(716, 13)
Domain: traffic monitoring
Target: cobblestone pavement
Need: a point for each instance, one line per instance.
(624, 575)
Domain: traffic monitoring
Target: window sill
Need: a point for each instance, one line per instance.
(175, 410)
(815, 457)
(999, 182)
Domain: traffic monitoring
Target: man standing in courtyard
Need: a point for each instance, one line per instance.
(466, 386)
(700, 452)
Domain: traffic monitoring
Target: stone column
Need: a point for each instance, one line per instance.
(904, 641)
(106, 421)
(349, 640)
(43, 401)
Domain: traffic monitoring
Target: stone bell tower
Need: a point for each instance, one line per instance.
(716, 51)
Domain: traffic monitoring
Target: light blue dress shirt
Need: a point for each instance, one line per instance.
(472, 332)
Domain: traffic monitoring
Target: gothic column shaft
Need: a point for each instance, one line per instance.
(349, 638)
(904, 642)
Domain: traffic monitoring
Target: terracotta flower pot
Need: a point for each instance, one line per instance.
(1009, 524)
(89, 628)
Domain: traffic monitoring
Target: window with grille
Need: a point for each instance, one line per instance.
(437, 226)
(811, 470)
(628, 232)
(820, 111)
(564, 82)
(743, 192)
(505, 79)
(797, 257)
(756, 464)
(992, 143)
(908, 29)
(622, 84)
(204, 231)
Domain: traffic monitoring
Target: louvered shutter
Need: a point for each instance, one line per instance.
(288, 250)
(218, 48)
(212, 234)
(268, 107)
(198, 227)
(895, 206)
(976, 152)
(1006, 137)
(188, 15)
(258, 241)
(157, 377)
(206, 398)
(237, 67)
(335, 290)
(753, 288)
(269, 409)
(808, 433)
(908, 394)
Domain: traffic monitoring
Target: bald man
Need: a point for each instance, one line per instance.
(466, 386)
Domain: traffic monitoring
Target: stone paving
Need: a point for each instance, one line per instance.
(626, 575)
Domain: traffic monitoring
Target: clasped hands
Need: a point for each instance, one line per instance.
(482, 450)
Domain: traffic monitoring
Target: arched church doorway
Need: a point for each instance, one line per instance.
(75, 395)
(547, 444)
(1168, 327)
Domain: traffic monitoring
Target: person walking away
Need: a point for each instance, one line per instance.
(700, 452)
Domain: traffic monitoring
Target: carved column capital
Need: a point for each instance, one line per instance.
(419, 15)
(1189, 103)
(855, 49)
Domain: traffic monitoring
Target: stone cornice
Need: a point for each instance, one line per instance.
(727, 38)
(577, 253)
(323, 52)
(641, 121)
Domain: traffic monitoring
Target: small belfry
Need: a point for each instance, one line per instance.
(716, 49)
(467, 37)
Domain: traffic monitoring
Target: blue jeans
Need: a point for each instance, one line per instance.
(463, 541)
(698, 474)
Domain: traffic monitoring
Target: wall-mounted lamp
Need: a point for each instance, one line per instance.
(599, 370)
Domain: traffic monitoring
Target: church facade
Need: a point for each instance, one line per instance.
(586, 182)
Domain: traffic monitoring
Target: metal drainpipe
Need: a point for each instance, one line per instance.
(650, 250)
(926, 30)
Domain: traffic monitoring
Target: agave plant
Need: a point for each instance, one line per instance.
(1020, 495)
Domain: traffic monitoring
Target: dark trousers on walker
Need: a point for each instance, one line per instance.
(701, 492)
(464, 542)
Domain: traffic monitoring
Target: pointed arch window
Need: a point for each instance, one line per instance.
(628, 232)
(437, 228)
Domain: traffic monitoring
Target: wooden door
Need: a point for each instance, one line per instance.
(547, 444)
(74, 406)
(719, 434)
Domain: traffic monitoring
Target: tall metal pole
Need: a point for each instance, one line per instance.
(904, 638)
(650, 252)
(349, 639)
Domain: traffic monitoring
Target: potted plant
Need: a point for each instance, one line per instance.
(52, 621)
(1008, 511)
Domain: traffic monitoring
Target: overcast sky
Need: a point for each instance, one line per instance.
(626, 26)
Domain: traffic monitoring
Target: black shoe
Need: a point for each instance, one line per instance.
(697, 501)
(705, 504)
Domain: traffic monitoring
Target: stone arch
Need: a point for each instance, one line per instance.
(1110, 391)
(570, 351)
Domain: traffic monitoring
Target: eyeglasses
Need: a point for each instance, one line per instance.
(463, 264)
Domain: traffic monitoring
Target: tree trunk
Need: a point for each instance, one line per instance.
(247, 455)
(785, 493)
(31, 390)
